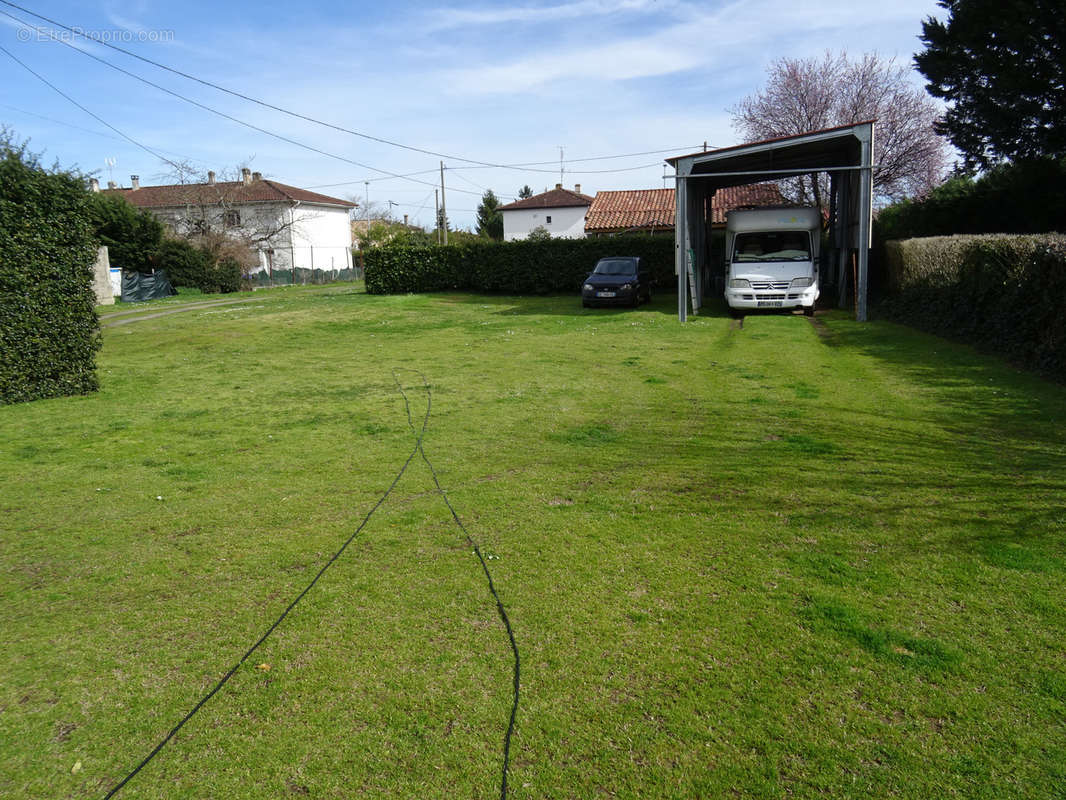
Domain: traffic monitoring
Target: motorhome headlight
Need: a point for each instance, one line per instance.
(801, 283)
(739, 283)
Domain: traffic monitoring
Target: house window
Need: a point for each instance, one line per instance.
(231, 218)
(548, 218)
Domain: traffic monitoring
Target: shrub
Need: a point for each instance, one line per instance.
(211, 267)
(522, 267)
(185, 264)
(225, 276)
(1021, 197)
(1004, 293)
(49, 332)
(132, 236)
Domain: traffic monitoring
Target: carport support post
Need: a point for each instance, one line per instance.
(681, 240)
(865, 213)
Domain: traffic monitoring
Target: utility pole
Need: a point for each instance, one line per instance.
(436, 211)
(561, 168)
(443, 206)
(367, 232)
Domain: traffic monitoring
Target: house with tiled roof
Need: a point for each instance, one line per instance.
(560, 212)
(286, 227)
(653, 210)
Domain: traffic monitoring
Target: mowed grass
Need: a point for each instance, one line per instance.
(777, 560)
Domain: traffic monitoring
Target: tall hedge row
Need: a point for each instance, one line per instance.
(49, 332)
(1003, 293)
(1021, 197)
(522, 267)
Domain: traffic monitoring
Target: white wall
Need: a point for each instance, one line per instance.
(322, 237)
(566, 223)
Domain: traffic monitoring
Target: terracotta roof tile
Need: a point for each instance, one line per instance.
(233, 192)
(754, 194)
(556, 198)
(648, 209)
(641, 209)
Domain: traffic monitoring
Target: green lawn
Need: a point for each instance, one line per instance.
(779, 560)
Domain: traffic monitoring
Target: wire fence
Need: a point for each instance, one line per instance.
(303, 276)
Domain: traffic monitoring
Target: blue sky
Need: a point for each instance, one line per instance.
(496, 83)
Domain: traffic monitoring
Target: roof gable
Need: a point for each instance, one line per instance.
(556, 198)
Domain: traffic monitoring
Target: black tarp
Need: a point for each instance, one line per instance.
(139, 286)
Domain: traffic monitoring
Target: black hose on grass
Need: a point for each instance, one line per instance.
(484, 566)
(417, 449)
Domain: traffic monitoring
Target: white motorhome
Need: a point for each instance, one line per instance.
(772, 258)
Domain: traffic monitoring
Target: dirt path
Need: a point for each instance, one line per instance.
(140, 315)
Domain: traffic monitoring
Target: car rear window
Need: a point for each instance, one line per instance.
(616, 266)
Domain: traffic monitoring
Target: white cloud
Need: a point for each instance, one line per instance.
(747, 33)
(461, 17)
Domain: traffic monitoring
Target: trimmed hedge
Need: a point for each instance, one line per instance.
(522, 267)
(1003, 293)
(192, 266)
(49, 332)
(1021, 197)
(185, 264)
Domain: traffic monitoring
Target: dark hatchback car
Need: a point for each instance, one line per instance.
(619, 280)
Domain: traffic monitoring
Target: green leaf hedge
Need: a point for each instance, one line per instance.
(49, 332)
(1003, 293)
(522, 267)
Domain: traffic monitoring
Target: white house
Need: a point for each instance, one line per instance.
(287, 227)
(560, 212)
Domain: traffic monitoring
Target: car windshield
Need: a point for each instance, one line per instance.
(616, 266)
(772, 246)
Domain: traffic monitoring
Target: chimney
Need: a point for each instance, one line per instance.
(135, 181)
(94, 184)
(246, 175)
(577, 188)
(211, 177)
(112, 185)
(558, 186)
(257, 176)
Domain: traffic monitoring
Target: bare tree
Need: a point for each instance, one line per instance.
(213, 211)
(807, 94)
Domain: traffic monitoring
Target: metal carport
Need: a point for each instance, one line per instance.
(845, 153)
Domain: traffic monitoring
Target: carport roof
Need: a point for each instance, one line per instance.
(831, 148)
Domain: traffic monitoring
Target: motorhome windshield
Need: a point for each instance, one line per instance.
(772, 246)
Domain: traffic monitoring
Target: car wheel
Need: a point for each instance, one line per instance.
(808, 311)
(735, 313)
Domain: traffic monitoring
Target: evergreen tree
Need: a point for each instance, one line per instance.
(489, 217)
(132, 235)
(525, 192)
(1001, 67)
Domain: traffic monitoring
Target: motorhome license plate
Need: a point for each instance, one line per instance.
(770, 303)
(612, 294)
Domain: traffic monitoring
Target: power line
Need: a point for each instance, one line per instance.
(217, 113)
(87, 130)
(297, 115)
(529, 166)
(70, 99)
